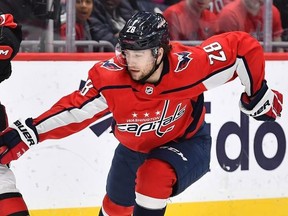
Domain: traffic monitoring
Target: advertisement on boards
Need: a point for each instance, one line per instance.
(248, 158)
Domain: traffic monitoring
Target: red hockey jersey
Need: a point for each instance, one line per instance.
(149, 115)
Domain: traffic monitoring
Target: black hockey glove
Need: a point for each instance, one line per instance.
(10, 39)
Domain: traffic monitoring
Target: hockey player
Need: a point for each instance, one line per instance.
(11, 201)
(154, 88)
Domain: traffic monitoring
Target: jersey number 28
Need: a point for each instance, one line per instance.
(215, 47)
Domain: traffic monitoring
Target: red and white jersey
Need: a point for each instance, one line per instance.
(149, 115)
(187, 23)
(236, 17)
(217, 5)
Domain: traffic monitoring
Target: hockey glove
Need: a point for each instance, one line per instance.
(265, 105)
(16, 140)
(10, 39)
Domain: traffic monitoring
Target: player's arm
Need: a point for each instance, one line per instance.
(239, 54)
(10, 39)
(69, 115)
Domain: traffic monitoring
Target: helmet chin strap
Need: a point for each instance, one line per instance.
(155, 67)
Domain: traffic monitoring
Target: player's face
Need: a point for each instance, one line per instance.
(139, 63)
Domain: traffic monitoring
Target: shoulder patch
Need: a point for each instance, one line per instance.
(111, 65)
(183, 61)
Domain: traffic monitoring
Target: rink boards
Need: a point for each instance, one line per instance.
(67, 177)
(257, 207)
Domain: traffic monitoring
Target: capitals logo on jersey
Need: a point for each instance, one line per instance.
(111, 65)
(183, 61)
(161, 124)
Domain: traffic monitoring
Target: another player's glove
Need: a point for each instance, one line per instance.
(10, 39)
(16, 140)
(265, 105)
(3, 118)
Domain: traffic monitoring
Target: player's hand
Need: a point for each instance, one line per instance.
(266, 105)
(3, 118)
(16, 140)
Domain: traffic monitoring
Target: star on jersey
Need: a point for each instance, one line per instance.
(134, 115)
(183, 61)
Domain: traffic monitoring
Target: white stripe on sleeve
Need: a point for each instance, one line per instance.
(73, 116)
(225, 75)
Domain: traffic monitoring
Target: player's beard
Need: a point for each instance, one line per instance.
(144, 77)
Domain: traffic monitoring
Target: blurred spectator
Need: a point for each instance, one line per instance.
(156, 6)
(31, 16)
(247, 15)
(282, 6)
(82, 26)
(191, 20)
(108, 18)
(217, 5)
(166, 2)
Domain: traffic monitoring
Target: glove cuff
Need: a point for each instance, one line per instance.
(26, 131)
(5, 70)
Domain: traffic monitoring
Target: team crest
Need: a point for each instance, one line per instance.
(183, 61)
(111, 65)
